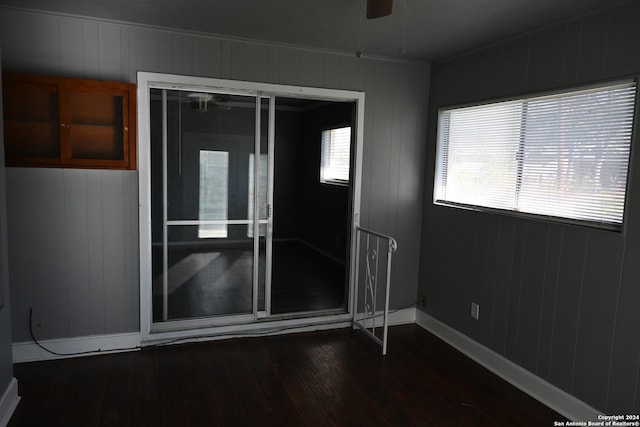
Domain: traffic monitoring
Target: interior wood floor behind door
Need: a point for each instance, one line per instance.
(220, 282)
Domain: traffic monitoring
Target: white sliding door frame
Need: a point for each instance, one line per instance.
(258, 321)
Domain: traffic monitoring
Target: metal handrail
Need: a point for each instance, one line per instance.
(370, 291)
(393, 245)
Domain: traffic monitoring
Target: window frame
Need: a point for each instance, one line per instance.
(619, 228)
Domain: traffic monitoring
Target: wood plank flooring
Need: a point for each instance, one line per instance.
(310, 379)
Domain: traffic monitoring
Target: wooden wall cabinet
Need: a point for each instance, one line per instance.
(65, 122)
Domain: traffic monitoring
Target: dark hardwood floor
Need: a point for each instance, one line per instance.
(305, 280)
(316, 379)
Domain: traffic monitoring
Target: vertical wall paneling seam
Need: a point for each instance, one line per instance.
(123, 284)
(278, 71)
(543, 284)
(130, 71)
(487, 293)
(125, 244)
(83, 47)
(399, 173)
(509, 288)
(526, 74)
(391, 145)
(92, 325)
(368, 148)
(59, 64)
(100, 71)
(475, 295)
(615, 321)
(158, 54)
(519, 284)
(555, 304)
(124, 64)
(536, 42)
(172, 55)
(102, 262)
(606, 50)
(131, 255)
(192, 61)
(325, 76)
(66, 253)
(275, 55)
(575, 345)
(579, 49)
(564, 51)
(32, 284)
(193, 56)
(495, 275)
(298, 67)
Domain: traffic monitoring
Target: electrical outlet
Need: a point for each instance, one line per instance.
(424, 300)
(475, 310)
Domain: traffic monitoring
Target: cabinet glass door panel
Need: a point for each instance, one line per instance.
(206, 258)
(31, 121)
(96, 126)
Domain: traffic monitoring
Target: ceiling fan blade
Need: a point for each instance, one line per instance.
(379, 8)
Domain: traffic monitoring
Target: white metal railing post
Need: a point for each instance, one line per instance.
(370, 290)
(357, 277)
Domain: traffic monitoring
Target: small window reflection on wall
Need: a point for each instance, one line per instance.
(214, 193)
(335, 156)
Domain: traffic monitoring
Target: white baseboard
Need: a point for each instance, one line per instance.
(546, 393)
(89, 345)
(405, 316)
(9, 402)
(102, 344)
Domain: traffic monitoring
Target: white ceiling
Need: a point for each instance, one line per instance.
(431, 29)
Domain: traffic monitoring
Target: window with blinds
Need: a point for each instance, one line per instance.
(563, 155)
(335, 156)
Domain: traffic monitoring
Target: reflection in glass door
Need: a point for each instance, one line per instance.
(208, 252)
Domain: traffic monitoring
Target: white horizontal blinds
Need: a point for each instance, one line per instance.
(336, 152)
(576, 154)
(564, 155)
(482, 143)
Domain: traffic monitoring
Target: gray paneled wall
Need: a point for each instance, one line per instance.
(561, 301)
(73, 239)
(73, 251)
(6, 358)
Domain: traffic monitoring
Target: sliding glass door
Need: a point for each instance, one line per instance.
(211, 258)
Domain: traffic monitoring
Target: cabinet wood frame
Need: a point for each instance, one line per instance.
(65, 87)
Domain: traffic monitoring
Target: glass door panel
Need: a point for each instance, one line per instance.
(312, 217)
(205, 257)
